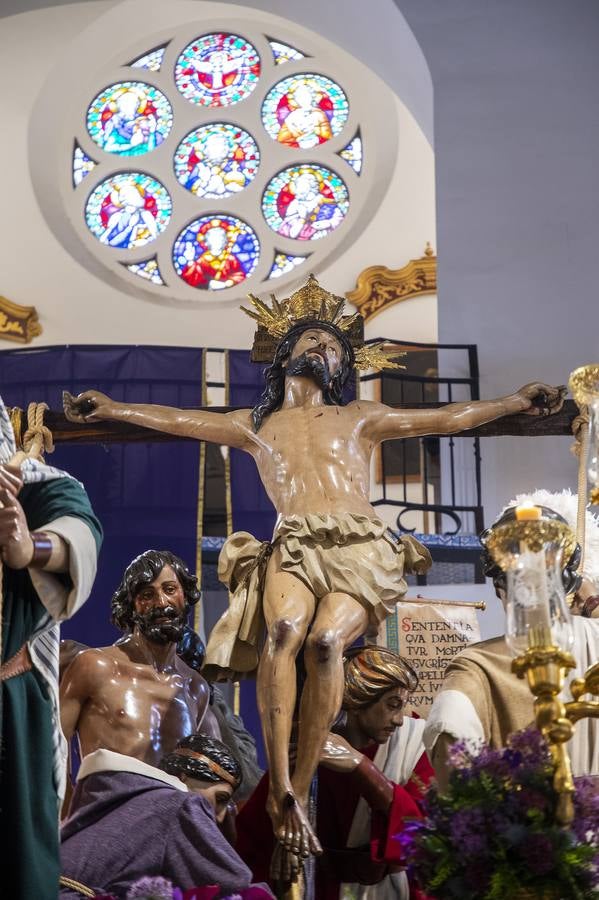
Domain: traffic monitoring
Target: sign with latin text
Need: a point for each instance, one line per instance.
(429, 636)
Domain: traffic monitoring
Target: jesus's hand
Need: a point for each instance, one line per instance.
(543, 399)
(90, 406)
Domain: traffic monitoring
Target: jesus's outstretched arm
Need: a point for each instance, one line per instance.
(383, 423)
(231, 428)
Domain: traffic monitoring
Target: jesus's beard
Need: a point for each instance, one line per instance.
(311, 365)
(165, 632)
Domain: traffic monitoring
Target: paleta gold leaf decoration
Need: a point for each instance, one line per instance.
(377, 357)
(309, 302)
(313, 302)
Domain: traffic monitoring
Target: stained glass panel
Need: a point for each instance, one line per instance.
(216, 160)
(283, 53)
(217, 70)
(216, 252)
(304, 110)
(353, 154)
(128, 210)
(284, 263)
(151, 60)
(82, 165)
(129, 118)
(148, 270)
(305, 202)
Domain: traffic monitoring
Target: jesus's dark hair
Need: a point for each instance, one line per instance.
(274, 375)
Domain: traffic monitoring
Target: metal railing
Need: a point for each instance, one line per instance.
(437, 467)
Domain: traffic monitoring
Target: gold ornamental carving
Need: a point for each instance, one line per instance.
(18, 323)
(379, 287)
(584, 384)
(535, 534)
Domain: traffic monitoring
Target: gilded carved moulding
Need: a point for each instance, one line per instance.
(379, 287)
(18, 323)
(504, 542)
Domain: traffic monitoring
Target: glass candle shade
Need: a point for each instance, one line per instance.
(537, 614)
(530, 545)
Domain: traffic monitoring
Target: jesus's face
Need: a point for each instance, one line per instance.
(318, 344)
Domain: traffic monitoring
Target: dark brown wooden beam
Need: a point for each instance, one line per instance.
(529, 426)
(64, 431)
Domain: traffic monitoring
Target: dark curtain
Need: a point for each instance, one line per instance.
(252, 510)
(146, 494)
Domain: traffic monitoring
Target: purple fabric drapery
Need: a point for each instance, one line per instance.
(252, 510)
(144, 494)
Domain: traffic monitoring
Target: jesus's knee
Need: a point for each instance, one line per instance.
(285, 635)
(323, 647)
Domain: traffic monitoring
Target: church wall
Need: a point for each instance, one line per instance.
(516, 137)
(77, 304)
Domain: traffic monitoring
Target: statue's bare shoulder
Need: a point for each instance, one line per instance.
(365, 411)
(365, 407)
(91, 667)
(241, 419)
(196, 683)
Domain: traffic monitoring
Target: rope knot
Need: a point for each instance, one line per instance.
(579, 429)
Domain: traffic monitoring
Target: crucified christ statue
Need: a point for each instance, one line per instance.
(334, 571)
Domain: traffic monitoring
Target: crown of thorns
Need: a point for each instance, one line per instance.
(311, 303)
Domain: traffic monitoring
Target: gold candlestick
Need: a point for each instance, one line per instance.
(544, 663)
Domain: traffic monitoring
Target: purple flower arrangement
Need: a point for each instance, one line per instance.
(492, 833)
(154, 887)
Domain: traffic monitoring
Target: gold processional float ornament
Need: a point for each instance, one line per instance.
(18, 323)
(378, 287)
(531, 549)
(584, 385)
(313, 302)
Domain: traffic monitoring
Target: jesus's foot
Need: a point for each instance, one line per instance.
(292, 826)
(284, 866)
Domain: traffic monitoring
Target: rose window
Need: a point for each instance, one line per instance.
(202, 168)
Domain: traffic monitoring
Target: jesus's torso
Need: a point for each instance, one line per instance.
(315, 460)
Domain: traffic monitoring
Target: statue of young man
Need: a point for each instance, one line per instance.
(138, 697)
(334, 567)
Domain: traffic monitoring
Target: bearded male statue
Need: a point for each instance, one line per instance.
(138, 697)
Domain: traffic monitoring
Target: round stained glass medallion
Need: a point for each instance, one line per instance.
(216, 252)
(304, 111)
(128, 210)
(305, 202)
(216, 160)
(217, 70)
(129, 118)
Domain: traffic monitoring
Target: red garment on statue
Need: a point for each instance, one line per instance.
(338, 798)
